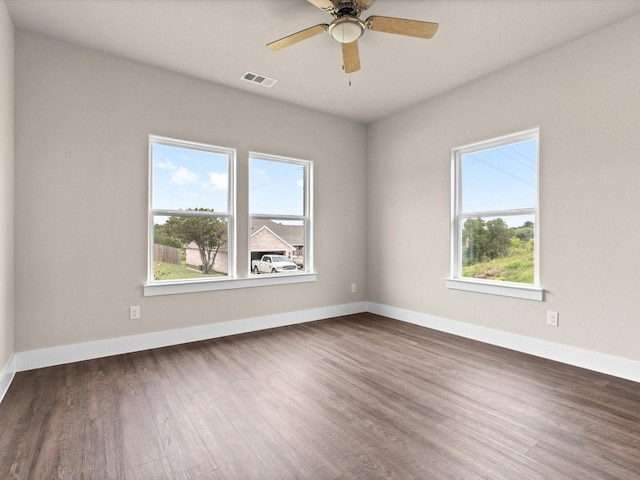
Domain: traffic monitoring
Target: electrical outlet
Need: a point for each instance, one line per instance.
(353, 288)
(134, 312)
(552, 318)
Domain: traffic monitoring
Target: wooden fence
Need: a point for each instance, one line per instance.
(164, 253)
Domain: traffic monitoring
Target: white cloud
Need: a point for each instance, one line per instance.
(218, 181)
(300, 183)
(184, 175)
(168, 165)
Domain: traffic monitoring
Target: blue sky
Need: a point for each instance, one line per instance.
(493, 179)
(500, 178)
(276, 187)
(188, 178)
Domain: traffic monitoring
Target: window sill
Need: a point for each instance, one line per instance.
(194, 286)
(503, 289)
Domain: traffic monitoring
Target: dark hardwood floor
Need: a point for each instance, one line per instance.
(358, 397)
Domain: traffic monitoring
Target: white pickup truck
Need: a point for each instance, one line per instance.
(273, 264)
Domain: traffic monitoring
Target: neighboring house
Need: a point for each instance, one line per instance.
(219, 265)
(267, 237)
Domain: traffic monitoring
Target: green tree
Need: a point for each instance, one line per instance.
(161, 237)
(474, 241)
(208, 233)
(524, 233)
(498, 239)
(483, 241)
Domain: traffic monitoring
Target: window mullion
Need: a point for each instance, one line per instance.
(499, 213)
(190, 213)
(279, 217)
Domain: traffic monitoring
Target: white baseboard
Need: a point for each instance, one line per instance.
(595, 361)
(47, 357)
(599, 362)
(6, 376)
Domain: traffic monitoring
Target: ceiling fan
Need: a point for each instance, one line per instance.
(347, 28)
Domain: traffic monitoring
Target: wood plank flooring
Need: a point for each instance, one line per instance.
(357, 397)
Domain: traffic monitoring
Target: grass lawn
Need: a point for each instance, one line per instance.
(517, 268)
(171, 271)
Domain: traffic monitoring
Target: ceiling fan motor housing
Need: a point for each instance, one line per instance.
(346, 8)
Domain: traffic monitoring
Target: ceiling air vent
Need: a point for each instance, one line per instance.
(259, 79)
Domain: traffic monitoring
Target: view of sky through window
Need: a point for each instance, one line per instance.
(186, 178)
(276, 188)
(500, 178)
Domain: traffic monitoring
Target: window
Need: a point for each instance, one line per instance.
(280, 214)
(191, 211)
(193, 219)
(495, 217)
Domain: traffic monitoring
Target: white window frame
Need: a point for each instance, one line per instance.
(157, 287)
(456, 281)
(306, 217)
(234, 279)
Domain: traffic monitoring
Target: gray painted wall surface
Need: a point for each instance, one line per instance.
(6, 186)
(584, 96)
(82, 125)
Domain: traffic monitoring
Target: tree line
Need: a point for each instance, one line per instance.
(487, 240)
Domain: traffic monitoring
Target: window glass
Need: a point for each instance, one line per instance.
(498, 248)
(496, 210)
(500, 178)
(186, 178)
(277, 187)
(279, 206)
(277, 237)
(190, 211)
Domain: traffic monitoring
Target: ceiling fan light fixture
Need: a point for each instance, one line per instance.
(347, 29)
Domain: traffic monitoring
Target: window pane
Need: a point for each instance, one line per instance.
(276, 188)
(500, 178)
(273, 237)
(498, 248)
(189, 247)
(188, 178)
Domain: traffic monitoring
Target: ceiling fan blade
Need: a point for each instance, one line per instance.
(326, 5)
(351, 57)
(363, 4)
(401, 26)
(297, 37)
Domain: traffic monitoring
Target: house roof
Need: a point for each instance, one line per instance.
(292, 234)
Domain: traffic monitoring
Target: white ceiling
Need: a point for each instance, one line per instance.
(218, 40)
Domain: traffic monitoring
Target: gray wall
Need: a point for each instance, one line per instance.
(585, 97)
(82, 123)
(6, 186)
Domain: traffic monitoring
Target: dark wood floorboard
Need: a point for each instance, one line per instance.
(357, 397)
